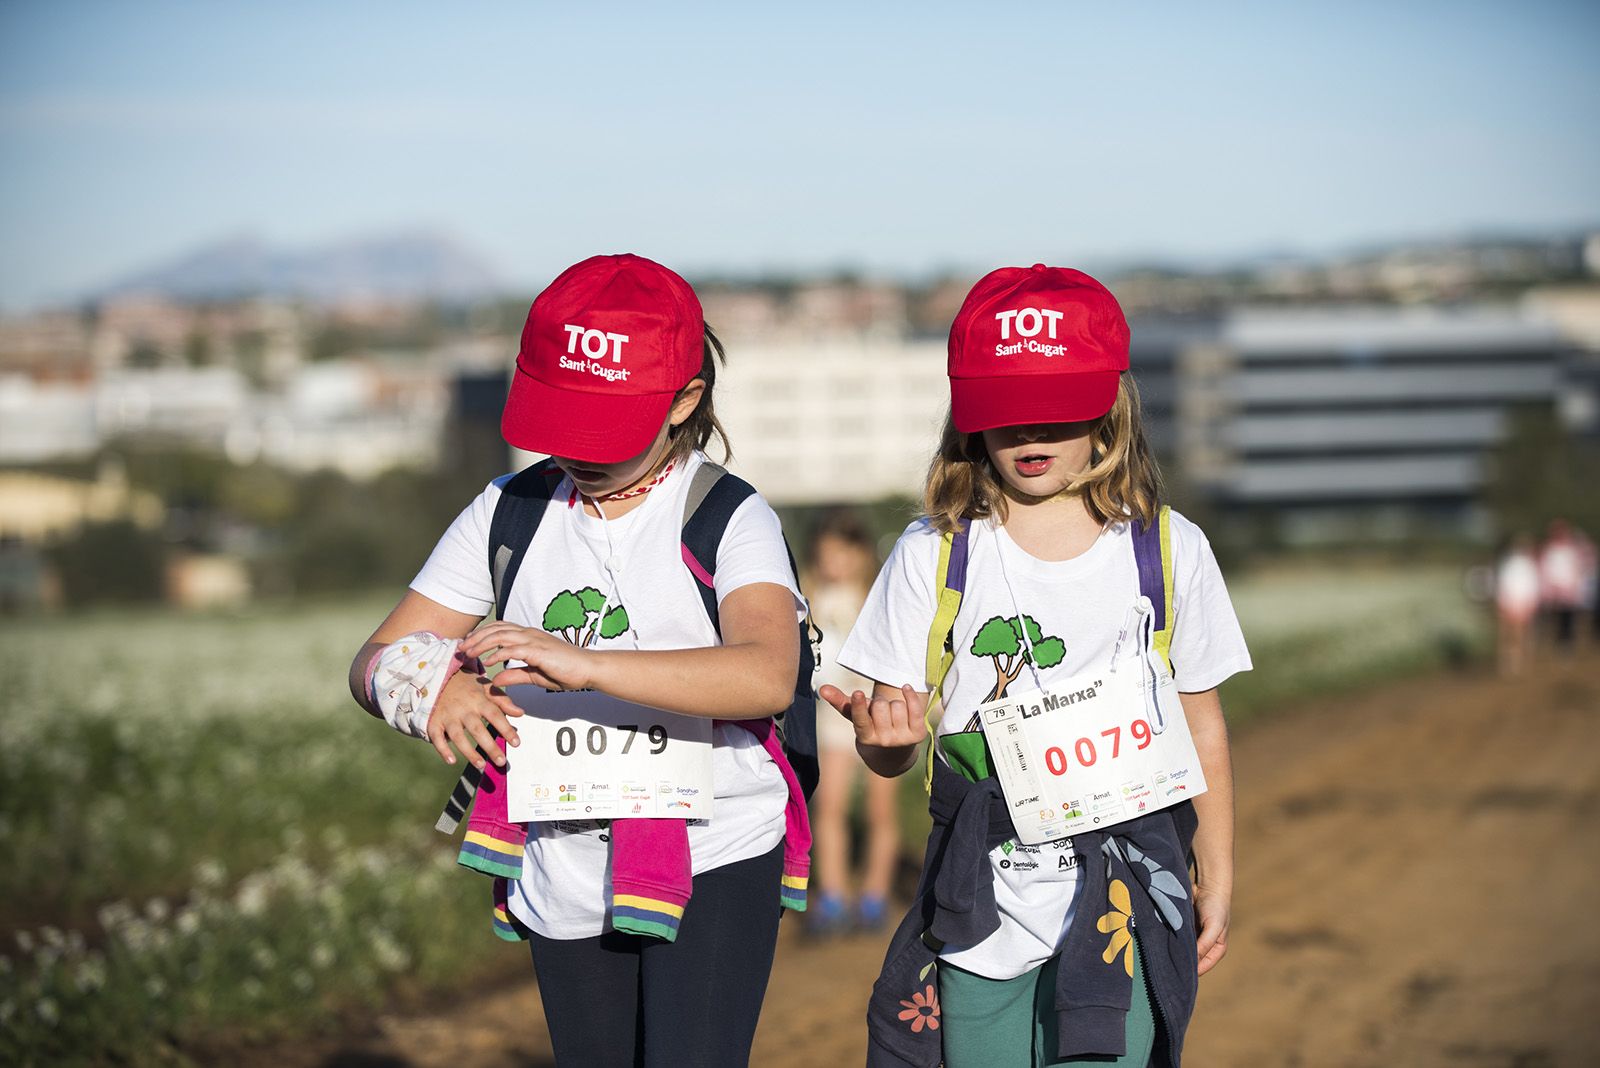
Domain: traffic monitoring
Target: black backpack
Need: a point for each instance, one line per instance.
(714, 495)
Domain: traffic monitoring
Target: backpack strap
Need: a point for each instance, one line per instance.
(1152, 551)
(714, 495)
(517, 515)
(952, 584)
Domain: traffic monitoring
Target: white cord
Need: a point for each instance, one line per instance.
(1022, 620)
(1137, 637)
(613, 569)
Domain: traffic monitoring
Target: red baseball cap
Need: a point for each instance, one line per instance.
(1035, 345)
(606, 347)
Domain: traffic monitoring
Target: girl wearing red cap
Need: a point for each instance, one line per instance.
(1074, 633)
(647, 612)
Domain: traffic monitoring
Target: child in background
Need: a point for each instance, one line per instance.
(1516, 599)
(1564, 561)
(614, 379)
(842, 566)
(1084, 949)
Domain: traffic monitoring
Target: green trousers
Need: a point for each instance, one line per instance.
(1010, 1023)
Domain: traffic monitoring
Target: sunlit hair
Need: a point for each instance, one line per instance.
(1122, 478)
(702, 425)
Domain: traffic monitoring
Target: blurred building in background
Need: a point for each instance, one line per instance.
(1356, 400)
(836, 419)
(1358, 421)
(1157, 347)
(1574, 310)
(235, 378)
(1326, 422)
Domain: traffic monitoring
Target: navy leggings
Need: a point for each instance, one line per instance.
(621, 1001)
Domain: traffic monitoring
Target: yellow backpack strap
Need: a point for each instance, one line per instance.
(1163, 637)
(1152, 551)
(952, 583)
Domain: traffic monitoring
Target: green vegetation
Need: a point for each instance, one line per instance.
(315, 533)
(206, 838)
(114, 562)
(1316, 634)
(1542, 472)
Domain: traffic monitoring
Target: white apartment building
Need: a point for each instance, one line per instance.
(358, 417)
(835, 419)
(41, 421)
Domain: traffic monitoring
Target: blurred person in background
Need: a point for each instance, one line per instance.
(1562, 581)
(1591, 586)
(1516, 600)
(842, 563)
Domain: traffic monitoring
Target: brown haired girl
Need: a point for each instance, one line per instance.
(648, 869)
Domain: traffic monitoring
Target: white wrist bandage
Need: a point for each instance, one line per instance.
(405, 678)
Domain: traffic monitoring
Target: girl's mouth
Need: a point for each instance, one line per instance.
(1033, 466)
(583, 476)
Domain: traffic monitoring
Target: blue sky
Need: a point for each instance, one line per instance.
(896, 137)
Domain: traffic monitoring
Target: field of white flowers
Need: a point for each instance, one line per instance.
(203, 836)
(1320, 632)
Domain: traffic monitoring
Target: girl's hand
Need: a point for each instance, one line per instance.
(554, 663)
(887, 723)
(1212, 910)
(468, 706)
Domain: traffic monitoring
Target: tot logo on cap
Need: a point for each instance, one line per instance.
(606, 347)
(1035, 345)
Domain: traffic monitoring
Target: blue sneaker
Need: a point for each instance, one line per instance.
(872, 913)
(828, 917)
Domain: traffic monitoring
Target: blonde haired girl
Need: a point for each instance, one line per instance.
(1045, 555)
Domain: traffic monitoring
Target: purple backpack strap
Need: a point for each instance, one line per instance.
(1147, 554)
(956, 579)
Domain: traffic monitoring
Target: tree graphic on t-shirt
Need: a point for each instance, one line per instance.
(1000, 639)
(576, 616)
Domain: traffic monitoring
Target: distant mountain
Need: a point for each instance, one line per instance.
(407, 265)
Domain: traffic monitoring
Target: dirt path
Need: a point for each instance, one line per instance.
(1414, 871)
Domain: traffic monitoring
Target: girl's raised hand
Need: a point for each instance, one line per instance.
(882, 721)
(554, 663)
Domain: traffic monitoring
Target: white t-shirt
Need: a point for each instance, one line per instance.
(1082, 601)
(1517, 584)
(565, 887)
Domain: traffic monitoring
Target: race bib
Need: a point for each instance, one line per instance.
(1092, 752)
(591, 756)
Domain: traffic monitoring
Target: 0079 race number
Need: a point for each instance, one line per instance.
(596, 738)
(1085, 753)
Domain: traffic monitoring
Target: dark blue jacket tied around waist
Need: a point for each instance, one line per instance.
(1141, 883)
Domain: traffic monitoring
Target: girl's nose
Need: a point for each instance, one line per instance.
(1030, 432)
